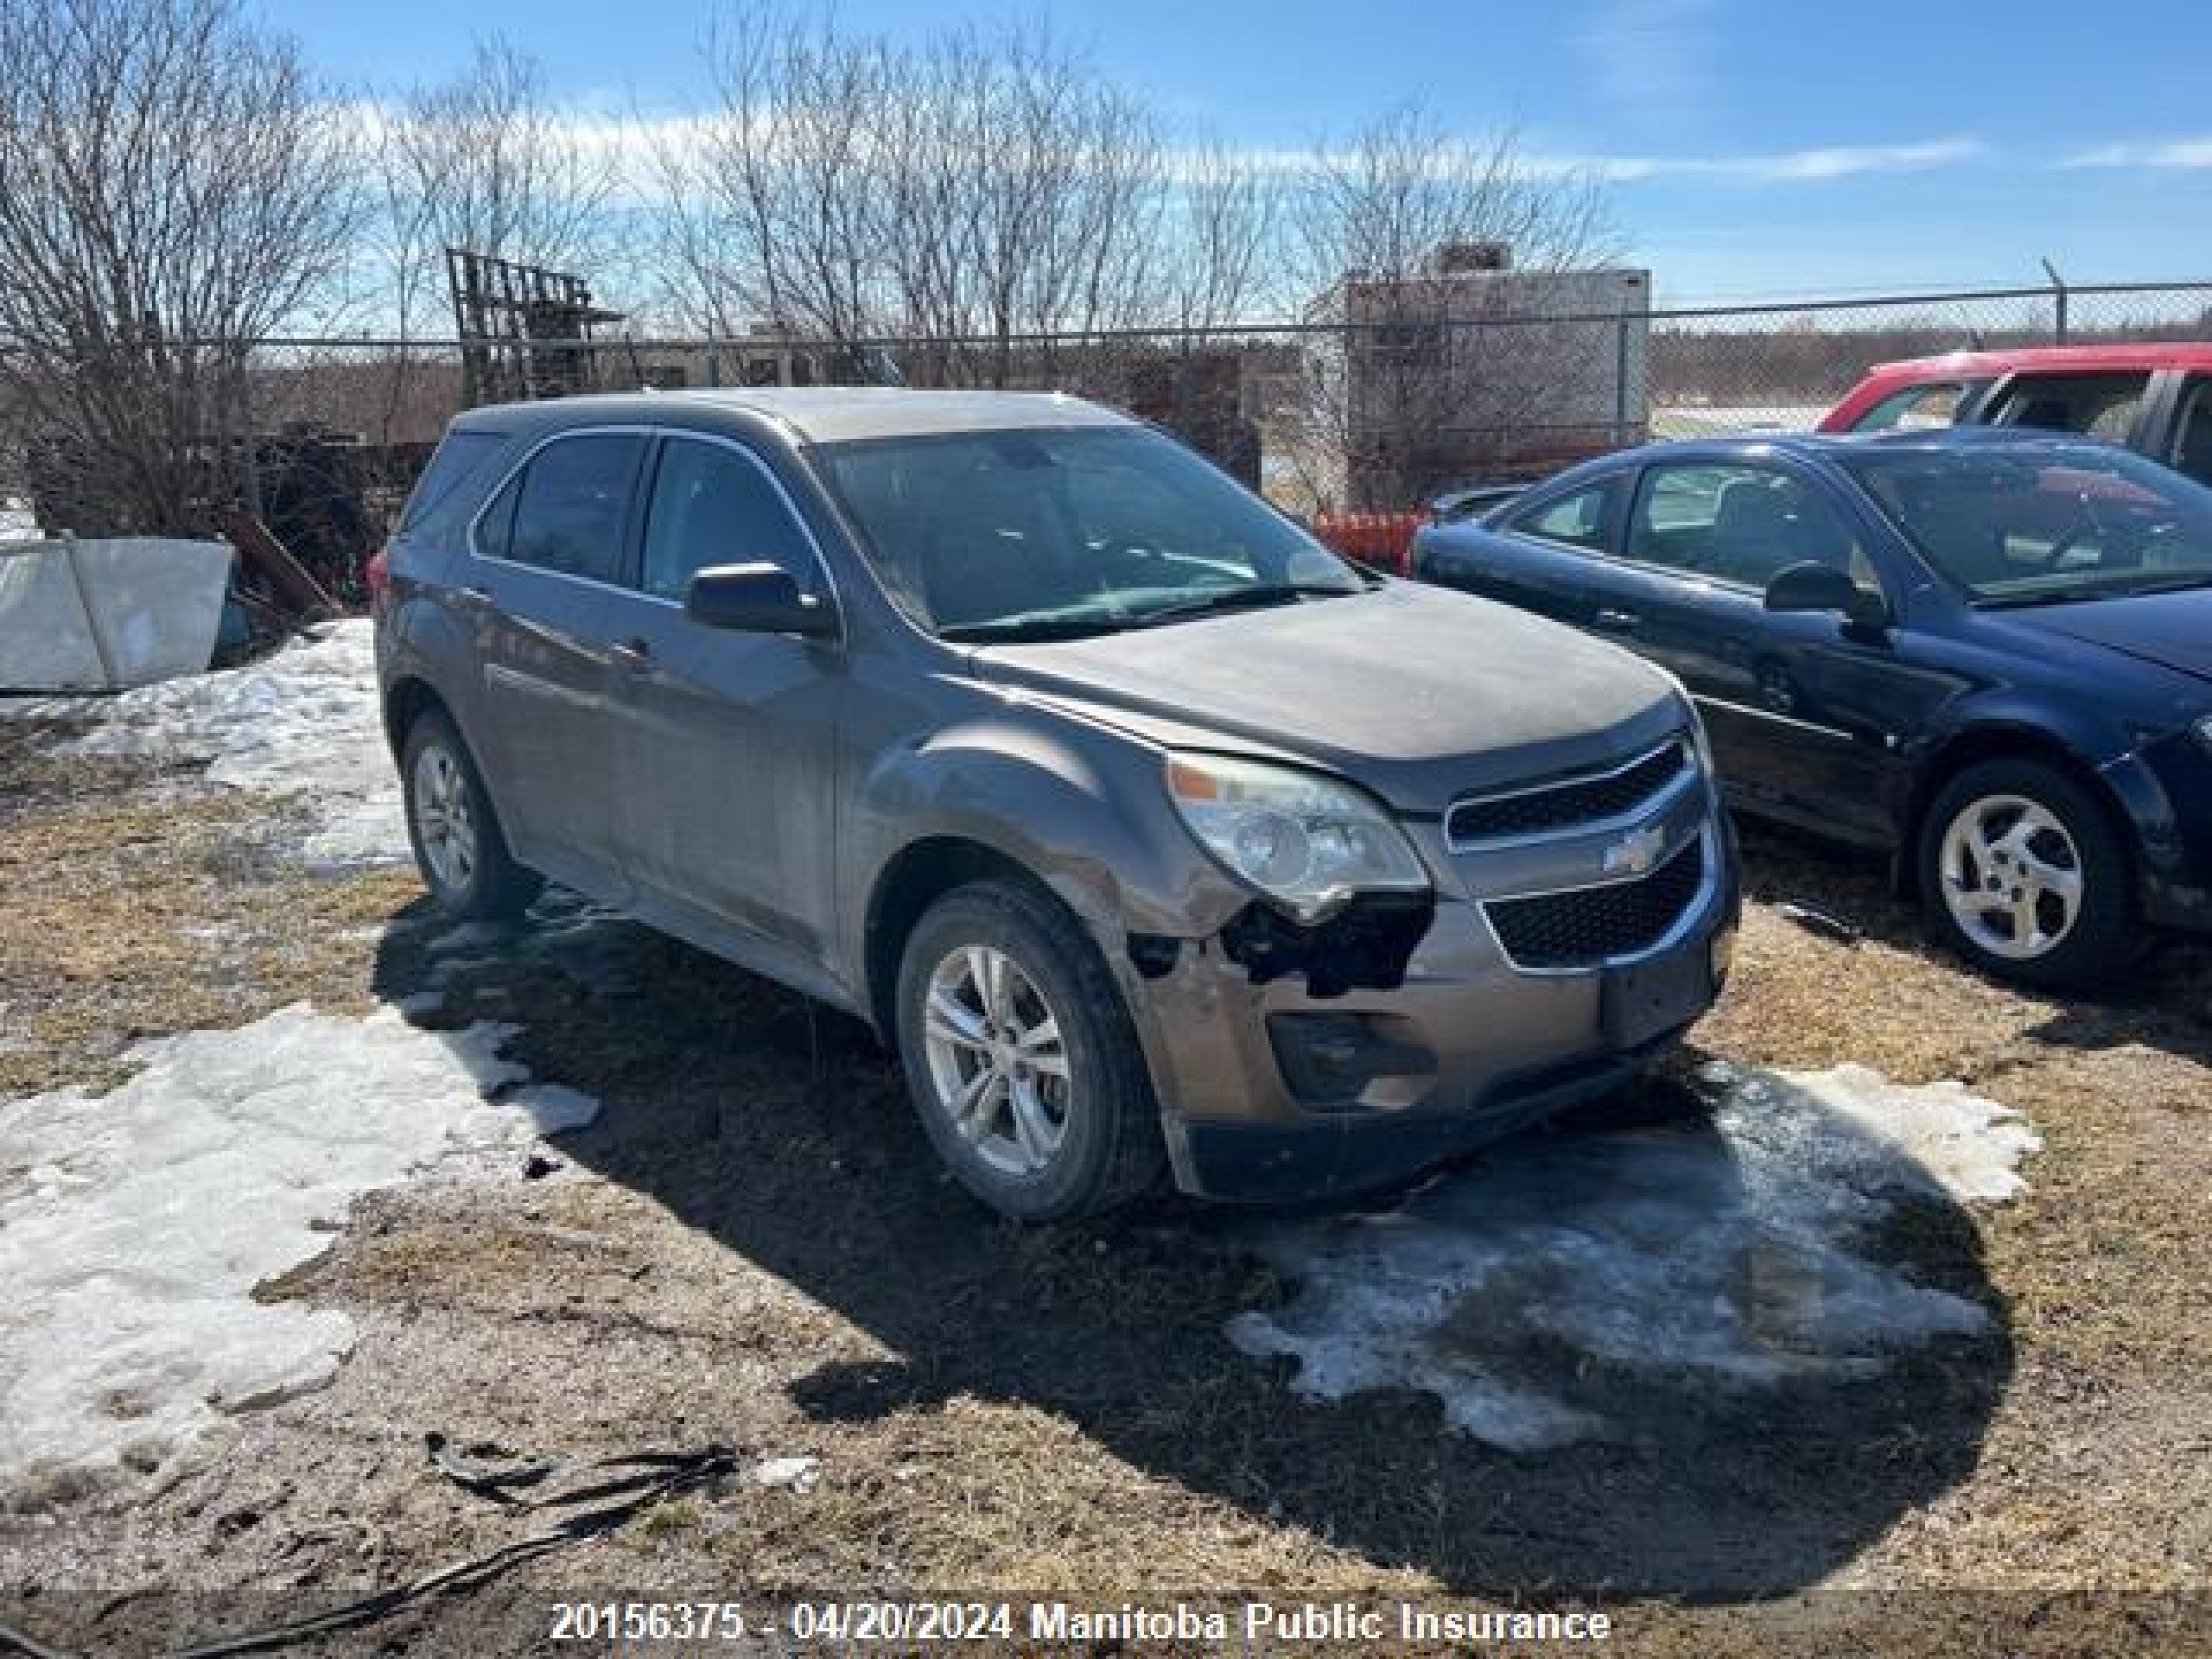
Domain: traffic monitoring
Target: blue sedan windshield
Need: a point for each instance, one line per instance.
(2045, 523)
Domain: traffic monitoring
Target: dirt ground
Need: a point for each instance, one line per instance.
(755, 1247)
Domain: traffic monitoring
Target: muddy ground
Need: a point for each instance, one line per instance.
(756, 1248)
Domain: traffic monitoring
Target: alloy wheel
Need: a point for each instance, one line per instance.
(444, 823)
(2012, 876)
(997, 1060)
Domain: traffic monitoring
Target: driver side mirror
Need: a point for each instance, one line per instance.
(757, 599)
(1812, 585)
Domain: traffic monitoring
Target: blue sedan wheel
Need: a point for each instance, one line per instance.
(2023, 873)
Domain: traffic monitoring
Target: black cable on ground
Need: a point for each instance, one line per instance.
(636, 1483)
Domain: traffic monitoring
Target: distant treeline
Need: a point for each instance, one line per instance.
(1814, 356)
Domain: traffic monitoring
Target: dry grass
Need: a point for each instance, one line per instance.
(756, 1248)
(140, 903)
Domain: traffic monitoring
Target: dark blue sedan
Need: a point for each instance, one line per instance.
(1986, 651)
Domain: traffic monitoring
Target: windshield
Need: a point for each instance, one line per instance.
(2047, 523)
(1066, 531)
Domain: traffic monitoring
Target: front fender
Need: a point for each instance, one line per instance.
(1087, 813)
(1969, 727)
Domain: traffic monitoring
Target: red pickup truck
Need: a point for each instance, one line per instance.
(2155, 398)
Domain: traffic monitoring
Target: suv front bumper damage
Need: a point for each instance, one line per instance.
(1296, 1085)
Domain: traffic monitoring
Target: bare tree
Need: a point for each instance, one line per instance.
(487, 162)
(1222, 220)
(970, 189)
(176, 186)
(1389, 235)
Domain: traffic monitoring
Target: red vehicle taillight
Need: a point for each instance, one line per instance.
(379, 575)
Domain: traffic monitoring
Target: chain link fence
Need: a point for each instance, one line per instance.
(1374, 405)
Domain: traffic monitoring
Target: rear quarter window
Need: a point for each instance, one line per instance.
(441, 497)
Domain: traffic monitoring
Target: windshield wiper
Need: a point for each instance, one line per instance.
(2170, 585)
(2029, 602)
(2084, 592)
(1054, 625)
(1013, 630)
(1239, 599)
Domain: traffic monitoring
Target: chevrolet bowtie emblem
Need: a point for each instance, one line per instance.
(1635, 852)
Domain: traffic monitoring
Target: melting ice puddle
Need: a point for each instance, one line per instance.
(1735, 1249)
(135, 1225)
(588, 943)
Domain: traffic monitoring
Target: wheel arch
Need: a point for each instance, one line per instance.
(407, 699)
(1972, 746)
(915, 878)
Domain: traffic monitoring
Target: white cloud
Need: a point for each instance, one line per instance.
(1767, 167)
(629, 140)
(2190, 153)
(1781, 167)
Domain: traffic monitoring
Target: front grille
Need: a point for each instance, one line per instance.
(1591, 926)
(1570, 805)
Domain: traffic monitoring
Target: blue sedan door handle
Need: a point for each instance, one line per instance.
(1618, 621)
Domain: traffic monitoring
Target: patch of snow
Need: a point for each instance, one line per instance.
(1734, 1250)
(135, 1225)
(793, 1474)
(301, 722)
(1951, 1141)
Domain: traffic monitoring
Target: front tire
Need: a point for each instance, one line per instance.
(1021, 1059)
(2023, 875)
(460, 849)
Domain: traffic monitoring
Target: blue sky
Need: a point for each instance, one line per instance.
(1757, 148)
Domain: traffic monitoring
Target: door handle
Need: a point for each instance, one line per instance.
(1618, 621)
(635, 655)
(475, 598)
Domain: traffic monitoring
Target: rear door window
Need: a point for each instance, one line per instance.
(495, 525)
(2095, 405)
(1576, 520)
(571, 506)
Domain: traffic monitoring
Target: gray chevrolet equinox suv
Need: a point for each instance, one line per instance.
(1157, 837)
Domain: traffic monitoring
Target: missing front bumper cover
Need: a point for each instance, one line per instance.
(1364, 946)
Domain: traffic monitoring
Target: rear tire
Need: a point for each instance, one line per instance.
(2023, 875)
(460, 849)
(1021, 1059)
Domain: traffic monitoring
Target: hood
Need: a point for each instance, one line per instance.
(2172, 631)
(1418, 693)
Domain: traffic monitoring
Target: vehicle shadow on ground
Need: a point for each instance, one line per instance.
(783, 1133)
(2164, 1001)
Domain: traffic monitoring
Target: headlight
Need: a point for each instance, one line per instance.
(1305, 841)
